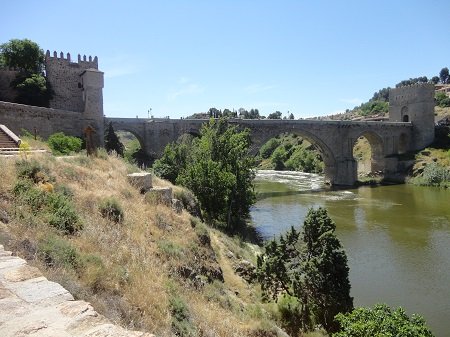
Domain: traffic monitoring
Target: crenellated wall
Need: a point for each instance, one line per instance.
(65, 79)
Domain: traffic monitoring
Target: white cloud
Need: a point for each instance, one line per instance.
(258, 87)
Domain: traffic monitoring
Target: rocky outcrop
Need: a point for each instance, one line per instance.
(31, 305)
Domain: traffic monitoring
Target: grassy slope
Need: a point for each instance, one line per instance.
(133, 272)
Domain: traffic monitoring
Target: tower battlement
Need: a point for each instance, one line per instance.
(83, 62)
(415, 93)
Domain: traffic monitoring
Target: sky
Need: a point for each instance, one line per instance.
(309, 58)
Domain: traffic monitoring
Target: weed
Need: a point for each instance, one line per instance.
(31, 169)
(57, 252)
(111, 210)
(181, 323)
(170, 248)
(62, 214)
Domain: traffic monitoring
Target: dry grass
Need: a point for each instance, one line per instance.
(130, 270)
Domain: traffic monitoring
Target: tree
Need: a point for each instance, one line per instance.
(31, 84)
(381, 321)
(112, 142)
(274, 115)
(22, 54)
(444, 76)
(291, 116)
(435, 80)
(313, 270)
(219, 170)
(173, 161)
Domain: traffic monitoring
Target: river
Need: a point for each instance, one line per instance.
(397, 238)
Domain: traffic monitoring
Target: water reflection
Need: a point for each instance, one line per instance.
(397, 238)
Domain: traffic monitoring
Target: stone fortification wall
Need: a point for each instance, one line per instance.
(7, 93)
(45, 121)
(415, 104)
(65, 79)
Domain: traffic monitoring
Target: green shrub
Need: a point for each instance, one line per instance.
(289, 310)
(31, 169)
(268, 148)
(57, 252)
(170, 248)
(62, 214)
(111, 210)
(26, 192)
(181, 324)
(435, 175)
(60, 144)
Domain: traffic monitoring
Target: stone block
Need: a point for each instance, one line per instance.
(177, 206)
(159, 195)
(142, 181)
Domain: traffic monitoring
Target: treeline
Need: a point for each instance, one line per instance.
(379, 103)
(241, 113)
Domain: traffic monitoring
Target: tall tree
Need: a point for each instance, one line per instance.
(25, 55)
(112, 142)
(444, 76)
(314, 270)
(31, 84)
(219, 171)
(275, 115)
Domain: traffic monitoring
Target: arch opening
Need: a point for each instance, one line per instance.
(296, 151)
(134, 147)
(369, 157)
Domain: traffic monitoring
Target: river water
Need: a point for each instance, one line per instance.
(397, 238)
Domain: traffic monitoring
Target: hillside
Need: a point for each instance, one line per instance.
(149, 268)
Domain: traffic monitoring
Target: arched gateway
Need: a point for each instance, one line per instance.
(334, 139)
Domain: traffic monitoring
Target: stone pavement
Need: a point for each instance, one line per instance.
(31, 305)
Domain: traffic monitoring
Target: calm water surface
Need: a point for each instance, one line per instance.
(397, 238)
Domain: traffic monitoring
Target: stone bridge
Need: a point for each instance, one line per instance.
(410, 127)
(334, 139)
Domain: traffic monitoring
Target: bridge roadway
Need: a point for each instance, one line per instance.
(334, 139)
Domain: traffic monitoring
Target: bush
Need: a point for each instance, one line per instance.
(57, 252)
(181, 324)
(60, 144)
(30, 169)
(111, 210)
(381, 321)
(62, 214)
(435, 175)
(268, 148)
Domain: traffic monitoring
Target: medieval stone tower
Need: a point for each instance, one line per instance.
(77, 87)
(414, 104)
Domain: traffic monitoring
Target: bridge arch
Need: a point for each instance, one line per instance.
(326, 153)
(377, 153)
(118, 126)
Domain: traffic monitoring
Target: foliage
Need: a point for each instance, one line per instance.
(33, 90)
(219, 171)
(112, 142)
(61, 144)
(25, 55)
(310, 266)
(278, 157)
(31, 85)
(444, 76)
(274, 115)
(111, 210)
(411, 81)
(381, 321)
(305, 160)
(31, 169)
(442, 100)
(434, 175)
(181, 324)
(172, 161)
(267, 149)
(57, 252)
(373, 107)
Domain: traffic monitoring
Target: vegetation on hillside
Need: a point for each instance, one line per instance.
(290, 152)
(217, 168)
(28, 58)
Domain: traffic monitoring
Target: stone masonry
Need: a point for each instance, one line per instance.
(31, 305)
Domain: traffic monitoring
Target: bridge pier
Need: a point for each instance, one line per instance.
(345, 173)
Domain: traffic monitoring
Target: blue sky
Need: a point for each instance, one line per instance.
(180, 57)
